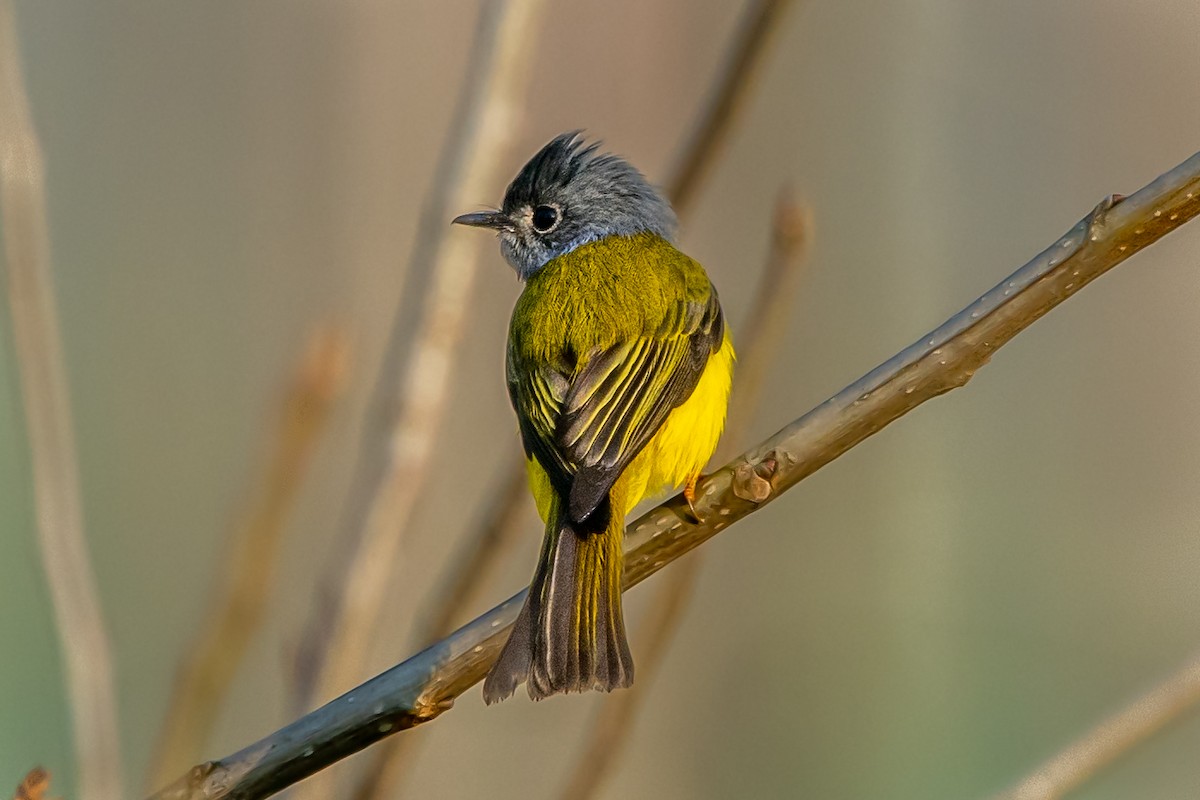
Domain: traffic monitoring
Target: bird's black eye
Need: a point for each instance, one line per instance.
(544, 218)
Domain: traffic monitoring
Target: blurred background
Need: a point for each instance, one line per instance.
(929, 616)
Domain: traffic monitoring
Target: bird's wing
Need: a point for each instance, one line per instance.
(584, 427)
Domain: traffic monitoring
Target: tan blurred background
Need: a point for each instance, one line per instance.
(928, 617)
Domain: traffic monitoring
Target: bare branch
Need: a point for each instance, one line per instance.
(426, 685)
(501, 520)
(87, 659)
(236, 611)
(770, 311)
(757, 346)
(458, 590)
(487, 121)
(1115, 736)
(609, 732)
(34, 786)
(760, 23)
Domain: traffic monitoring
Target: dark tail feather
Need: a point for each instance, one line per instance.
(570, 635)
(512, 667)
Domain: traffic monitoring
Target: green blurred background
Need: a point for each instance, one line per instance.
(928, 617)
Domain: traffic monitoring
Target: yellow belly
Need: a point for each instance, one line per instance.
(675, 454)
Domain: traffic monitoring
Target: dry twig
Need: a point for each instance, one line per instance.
(426, 685)
(463, 583)
(757, 345)
(34, 786)
(460, 587)
(1115, 736)
(234, 614)
(87, 660)
(760, 23)
(485, 124)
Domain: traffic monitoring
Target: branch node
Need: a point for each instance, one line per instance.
(750, 484)
(767, 466)
(200, 773)
(1095, 221)
(428, 708)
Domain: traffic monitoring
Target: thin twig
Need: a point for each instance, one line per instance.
(487, 121)
(609, 732)
(757, 346)
(237, 608)
(770, 311)
(34, 786)
(426, 685)
(467, 576)
(87, 659)
(504, 515)
(760, 24)
(1115, 736)
(459, 589)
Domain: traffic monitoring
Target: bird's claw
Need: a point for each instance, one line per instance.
(689, 494)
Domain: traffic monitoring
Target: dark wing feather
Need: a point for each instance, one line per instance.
(537, 394)
(601, 431)
(585, 426)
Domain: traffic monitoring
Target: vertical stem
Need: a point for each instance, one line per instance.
(236, 610)
(86, 654)
(760, 23)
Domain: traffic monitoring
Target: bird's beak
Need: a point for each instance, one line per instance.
(484, 219)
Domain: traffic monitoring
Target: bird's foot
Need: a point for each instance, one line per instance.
(689, 494)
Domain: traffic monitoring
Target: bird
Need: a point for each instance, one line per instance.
(619, 366)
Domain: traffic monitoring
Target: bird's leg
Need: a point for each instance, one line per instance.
(689, 494)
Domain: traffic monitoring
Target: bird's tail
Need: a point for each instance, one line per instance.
(570, 634)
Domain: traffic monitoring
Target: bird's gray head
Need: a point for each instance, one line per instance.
(567, 195)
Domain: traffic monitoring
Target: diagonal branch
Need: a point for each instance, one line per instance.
(426, 685)
(87, 657)
(1150, 713)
